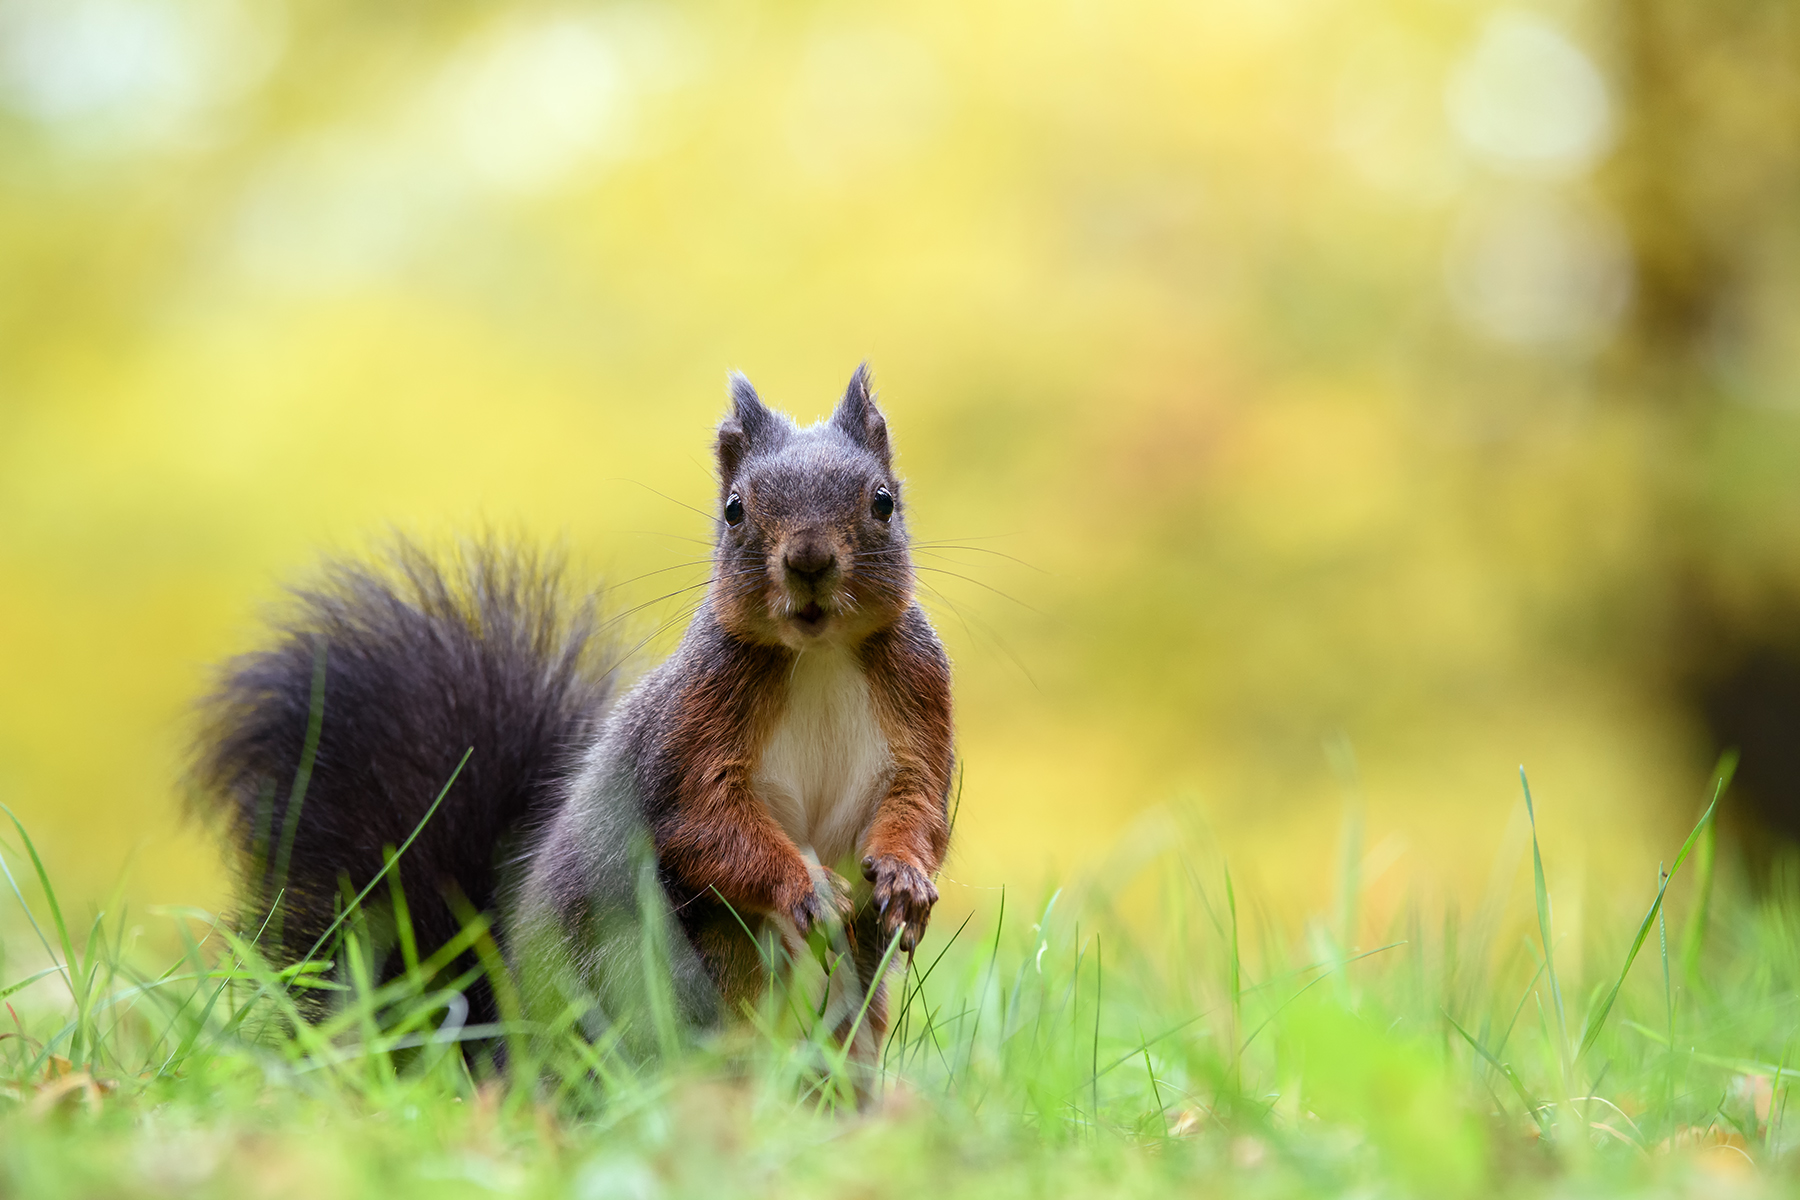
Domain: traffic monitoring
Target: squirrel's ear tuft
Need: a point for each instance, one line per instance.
(860, 420)
(749, 426)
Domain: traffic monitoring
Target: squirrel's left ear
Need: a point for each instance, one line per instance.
(860, 420)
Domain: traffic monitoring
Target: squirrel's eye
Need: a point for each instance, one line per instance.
(883, 505)
(734, 510)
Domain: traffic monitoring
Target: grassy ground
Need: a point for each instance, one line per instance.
(1042, 1048)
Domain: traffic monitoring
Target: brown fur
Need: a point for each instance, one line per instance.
(719, 839)
(911, 831)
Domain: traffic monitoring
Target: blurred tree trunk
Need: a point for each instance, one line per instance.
(1706, 180)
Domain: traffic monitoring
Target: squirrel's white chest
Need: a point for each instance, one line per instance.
(825, 765)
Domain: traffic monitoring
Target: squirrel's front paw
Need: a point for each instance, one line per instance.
(903, 897)
(825, 895)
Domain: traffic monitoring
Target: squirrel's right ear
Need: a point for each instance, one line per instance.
(750, 425)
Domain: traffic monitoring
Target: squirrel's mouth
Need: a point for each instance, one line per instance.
(811, 618)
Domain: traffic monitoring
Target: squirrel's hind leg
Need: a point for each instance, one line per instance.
(752, 960)
(737, 954)
(866, 1026)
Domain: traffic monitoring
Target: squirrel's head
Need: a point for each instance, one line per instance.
(811, 531)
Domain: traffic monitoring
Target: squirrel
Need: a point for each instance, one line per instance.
(802, 724)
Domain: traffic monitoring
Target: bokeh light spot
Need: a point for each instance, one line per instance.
(1527, 98)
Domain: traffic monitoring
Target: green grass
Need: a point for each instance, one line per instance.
(1047, 1048)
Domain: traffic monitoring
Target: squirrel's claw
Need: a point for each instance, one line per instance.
(903, 896)
(827, 894)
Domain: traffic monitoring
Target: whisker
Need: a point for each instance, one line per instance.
(613, 587)
(955, 610)
(710, 517)
(992, 635)
(657, 533)
(684, 615)
(940, 547)
(990, 587)
(636, 608)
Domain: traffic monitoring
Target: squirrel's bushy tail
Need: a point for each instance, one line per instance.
(329, 745)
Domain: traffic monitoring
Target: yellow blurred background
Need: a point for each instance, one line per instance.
(1280, 384)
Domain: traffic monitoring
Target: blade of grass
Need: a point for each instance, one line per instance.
(1099, 995)
(87, 967)
(1520, 1008)
(1662, 944)
(1769, 1143)
(1705, 823)
(918, 992)
(392, 860)
(309, 751)
(1532, 1109)
(1542, 895)
(1742, 1066)
(20, 985)
(987, 980)
(1155, 1091)
(186, 1045)
(62, 931)
(1778, 1118)
(1310, 984)
(918, 988)
(1233, 984)
(1693, 938)
(403, 926)
(842, 1057)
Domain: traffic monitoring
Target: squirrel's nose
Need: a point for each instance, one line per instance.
(809, 560)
